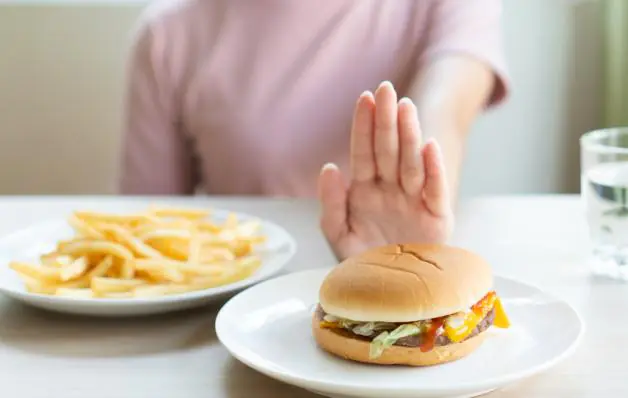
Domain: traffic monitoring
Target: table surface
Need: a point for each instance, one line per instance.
(537, 239)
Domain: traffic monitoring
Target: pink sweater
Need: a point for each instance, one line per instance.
(252, 97)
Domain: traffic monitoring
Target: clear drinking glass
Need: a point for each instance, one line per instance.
(604, 189)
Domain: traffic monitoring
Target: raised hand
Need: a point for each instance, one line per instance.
(397, 191)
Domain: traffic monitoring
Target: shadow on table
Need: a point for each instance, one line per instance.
(244, 382)
(47, 333)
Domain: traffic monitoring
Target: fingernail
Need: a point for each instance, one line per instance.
(406, 101)
(366, 93)
(385, 83)
(432, 141)
(329, 166)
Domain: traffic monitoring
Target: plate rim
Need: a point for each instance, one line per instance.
(335, 387)
(290, 247)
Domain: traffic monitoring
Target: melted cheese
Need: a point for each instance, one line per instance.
(501, 319)
(329, 325)
(459, 326)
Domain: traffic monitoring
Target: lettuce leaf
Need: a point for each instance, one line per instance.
(360, 328)
(386, 339)
(369, 328)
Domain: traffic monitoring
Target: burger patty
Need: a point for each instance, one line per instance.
(415, 341)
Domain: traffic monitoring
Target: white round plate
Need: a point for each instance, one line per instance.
(268, 327)
(28, 244)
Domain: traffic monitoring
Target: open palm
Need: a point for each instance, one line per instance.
(397, 191)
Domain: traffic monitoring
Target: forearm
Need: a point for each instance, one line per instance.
(450, 93)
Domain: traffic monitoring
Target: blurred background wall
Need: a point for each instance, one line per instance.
(61, 77)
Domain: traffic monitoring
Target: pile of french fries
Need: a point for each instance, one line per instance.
(161, 251)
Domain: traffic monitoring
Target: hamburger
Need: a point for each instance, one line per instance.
(414, 304)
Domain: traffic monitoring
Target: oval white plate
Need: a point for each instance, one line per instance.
(268, 328)
(28, 244)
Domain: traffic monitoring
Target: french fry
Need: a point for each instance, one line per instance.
(208, 226)
(179, 212)
(146, 234)
(208, 282)
(75, 269)
(102, 268)
(42, 272)
(226, 236)
(242, 248)
(150, 291)
(80, 283)
(176, 227)
(113, 285)
(230, 238)
(197, 270)
(247, 228)
(194, 251)
(127, 270)
(165, 270)
(249, 262)
(55, 259)
(231, 222)
(211, 254)
(34, 285)
(173, 249)
(84, 229)
(82, 247)
(125, 237)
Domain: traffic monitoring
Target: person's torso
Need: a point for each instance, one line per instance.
(270, 85)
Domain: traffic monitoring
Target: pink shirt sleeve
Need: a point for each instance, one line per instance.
(156, 156)
(471, 27)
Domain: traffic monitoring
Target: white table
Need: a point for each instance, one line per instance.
(538, 239)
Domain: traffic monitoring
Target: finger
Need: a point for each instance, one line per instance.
(333, 198)
(362, 156)
(386, 137)
(435, 191)
(411, 167)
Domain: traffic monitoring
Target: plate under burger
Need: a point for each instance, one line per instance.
(268, 327)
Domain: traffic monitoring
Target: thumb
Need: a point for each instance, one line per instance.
(435, 190)
(332, 194)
